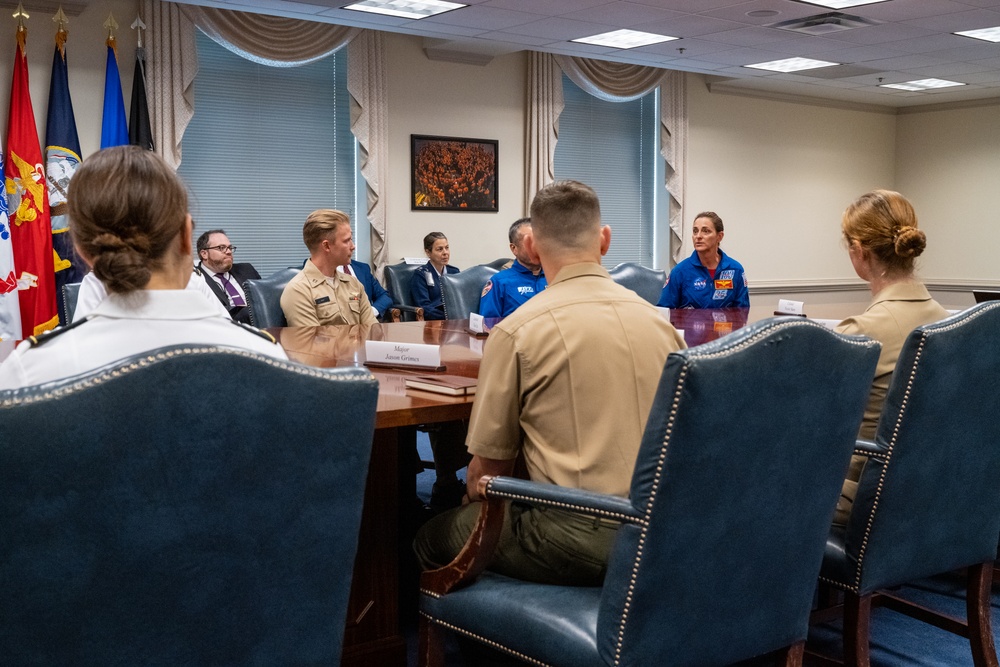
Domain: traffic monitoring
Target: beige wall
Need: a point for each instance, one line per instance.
(779, 173)
(948, 164)
(86, 55)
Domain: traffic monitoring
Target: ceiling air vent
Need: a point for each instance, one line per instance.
(825, 24)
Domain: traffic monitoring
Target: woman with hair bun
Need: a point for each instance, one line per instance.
(129, 220)
(883, 241)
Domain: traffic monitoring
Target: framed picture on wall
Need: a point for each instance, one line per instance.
(453, 174)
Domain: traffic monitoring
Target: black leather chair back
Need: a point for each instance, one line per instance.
(264, 298)
(931, 503)
(460, 292)
(647, 283)
(737, 477)
(145, 519)
(501, 263)
(397, 284)
(70, 294)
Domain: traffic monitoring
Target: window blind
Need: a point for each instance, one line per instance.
(267, 146)
(613, 148)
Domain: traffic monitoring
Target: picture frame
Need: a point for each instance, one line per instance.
(453, 174)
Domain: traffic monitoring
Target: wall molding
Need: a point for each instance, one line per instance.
(806, 286)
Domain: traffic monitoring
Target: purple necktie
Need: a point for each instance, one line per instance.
(347, 269)
(231, 290)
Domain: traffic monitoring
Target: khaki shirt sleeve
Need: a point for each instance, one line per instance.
(298, 306)
(495, 427)
(366, 315)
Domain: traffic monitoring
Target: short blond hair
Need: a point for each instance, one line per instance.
(320, 224)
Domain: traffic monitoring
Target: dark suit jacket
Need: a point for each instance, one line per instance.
(379, 298)
(239, 273)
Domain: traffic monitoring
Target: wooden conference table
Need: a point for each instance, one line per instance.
(373, 635)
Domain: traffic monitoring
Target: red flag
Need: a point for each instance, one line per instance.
(31, 228)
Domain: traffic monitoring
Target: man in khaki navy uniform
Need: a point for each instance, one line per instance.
(320, 294)
(567, 380)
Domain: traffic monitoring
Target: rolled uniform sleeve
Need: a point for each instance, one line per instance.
(495, 427)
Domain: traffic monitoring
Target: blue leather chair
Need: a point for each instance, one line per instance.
(264, 298)
(928, 498)
(145, 519)
(460, 292)
(722, 536)
(646, 282)
(397, 284)
(70, 293)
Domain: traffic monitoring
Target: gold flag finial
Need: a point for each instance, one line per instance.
(60, 20)
(20, 15)
(138, 26)
(111, 24)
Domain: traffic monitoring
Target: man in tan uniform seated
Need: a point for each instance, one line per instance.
(567, 380)
(320, 294)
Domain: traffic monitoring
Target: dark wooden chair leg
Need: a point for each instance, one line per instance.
(977, 604)
(431, 644)
(794, 653)
(857, 621)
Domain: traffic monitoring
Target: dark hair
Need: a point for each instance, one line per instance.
(320, 224)
(515, 228)
(202, 243)
(567, 213)
(431, 238)
(714, 217)
(885, 224)
(126, 208)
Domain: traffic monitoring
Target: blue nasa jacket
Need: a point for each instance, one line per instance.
(508, 289)
(689, 285)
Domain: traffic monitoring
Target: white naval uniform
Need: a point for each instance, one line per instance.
(123, 325)
(93, 291)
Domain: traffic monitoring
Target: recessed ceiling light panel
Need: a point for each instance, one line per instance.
(791, 65)
(841, 4)
(407, 9)
(922, 84)
(985, 34)
(625, 39)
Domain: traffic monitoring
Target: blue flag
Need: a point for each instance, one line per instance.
(114, 128)
(62, 157)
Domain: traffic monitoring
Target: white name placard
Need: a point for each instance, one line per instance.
(402, 354)
(790, 307)
(476, 323)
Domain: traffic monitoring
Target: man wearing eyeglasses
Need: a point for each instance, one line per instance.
(223, 276)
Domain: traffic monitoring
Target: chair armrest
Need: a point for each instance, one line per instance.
(560, 497)
(474, 556)
(869, 448)
(395, 309)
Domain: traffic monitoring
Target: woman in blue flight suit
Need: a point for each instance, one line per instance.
(709, 278)
(425, 285)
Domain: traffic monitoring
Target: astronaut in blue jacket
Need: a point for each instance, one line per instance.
(425, 285)
(709, 278)
(509, 288)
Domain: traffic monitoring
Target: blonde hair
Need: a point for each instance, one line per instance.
(320, 224)
(126, 207)
(885, 224)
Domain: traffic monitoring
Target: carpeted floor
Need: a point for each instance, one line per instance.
(896, 640)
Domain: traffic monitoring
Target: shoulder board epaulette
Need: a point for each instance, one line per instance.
(42, 338)
(254, 330)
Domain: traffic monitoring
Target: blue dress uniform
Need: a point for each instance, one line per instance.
(508, 289)
(425, 287)
(689, 285)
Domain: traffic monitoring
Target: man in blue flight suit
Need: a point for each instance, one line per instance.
(511, 287)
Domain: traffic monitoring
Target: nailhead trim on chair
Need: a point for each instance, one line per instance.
(486, 641)
(534, 500)
(167, 354)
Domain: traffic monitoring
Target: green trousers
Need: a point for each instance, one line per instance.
(537, 544)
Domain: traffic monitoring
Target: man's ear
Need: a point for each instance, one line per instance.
(605, 240)
(531, 249)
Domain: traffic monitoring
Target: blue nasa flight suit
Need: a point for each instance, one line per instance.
(425, 288)
(508, 289)
(689, 285)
